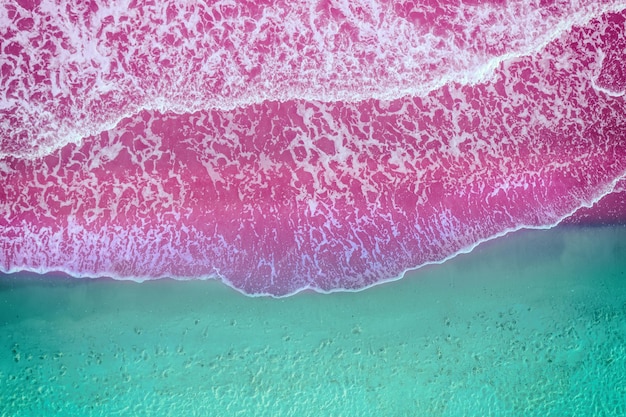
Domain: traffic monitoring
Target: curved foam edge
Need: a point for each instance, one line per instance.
(474, 76)
(505, 232)
(606, 91)
(224, 280)
(599, 88)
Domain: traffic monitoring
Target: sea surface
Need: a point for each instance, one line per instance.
(532, 324)
(312, 208)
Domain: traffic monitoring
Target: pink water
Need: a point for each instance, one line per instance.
(282, 146)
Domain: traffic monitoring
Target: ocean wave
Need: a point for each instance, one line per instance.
(72, 71)
(279, 195)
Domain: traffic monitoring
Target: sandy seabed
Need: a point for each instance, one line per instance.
(532, 324)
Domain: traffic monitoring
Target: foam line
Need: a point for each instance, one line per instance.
(282, 196)
(45, 115)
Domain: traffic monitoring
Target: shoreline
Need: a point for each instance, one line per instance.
(58, 277)
(523, 325)
(564, 223)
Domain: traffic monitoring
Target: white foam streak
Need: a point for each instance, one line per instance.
(183, 96)
(610, 189)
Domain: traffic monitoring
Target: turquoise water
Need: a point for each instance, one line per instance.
(532, 324)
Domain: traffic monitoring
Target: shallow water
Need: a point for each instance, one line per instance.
(532, 324)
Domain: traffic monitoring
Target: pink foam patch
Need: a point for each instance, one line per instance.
(287, 160)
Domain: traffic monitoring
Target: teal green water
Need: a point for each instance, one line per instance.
(533, 324)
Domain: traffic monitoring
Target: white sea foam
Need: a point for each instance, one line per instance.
(184, 89)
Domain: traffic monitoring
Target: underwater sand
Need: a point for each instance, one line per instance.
(532, 324)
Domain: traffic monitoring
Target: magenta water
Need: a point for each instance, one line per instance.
(282, 146)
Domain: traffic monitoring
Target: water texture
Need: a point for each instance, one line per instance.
(289, 146)
(532, 324)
